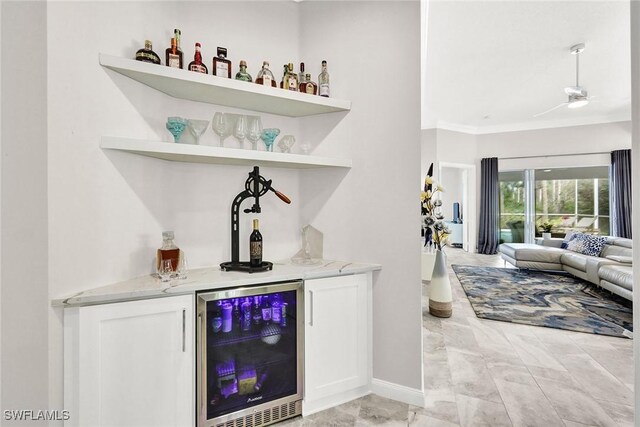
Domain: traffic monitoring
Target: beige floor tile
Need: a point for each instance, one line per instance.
(420, 420)
(481, 413)
(439, 404)
(622, 414)
(527, 406)
(471, 377)
(533, 352)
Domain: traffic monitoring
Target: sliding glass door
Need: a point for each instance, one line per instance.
(561, 199)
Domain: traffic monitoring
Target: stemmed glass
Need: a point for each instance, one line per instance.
(286, 142)
(268, 136)
(197, 128)
(255, 130)
(240, 129)
(165, 270)
(182, 267)
(176, 126)
(220, 126)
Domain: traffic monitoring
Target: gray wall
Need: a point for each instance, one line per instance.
(24, 295)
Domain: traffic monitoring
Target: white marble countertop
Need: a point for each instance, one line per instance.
(200, 279)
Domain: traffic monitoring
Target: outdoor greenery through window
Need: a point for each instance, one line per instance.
(564, 199)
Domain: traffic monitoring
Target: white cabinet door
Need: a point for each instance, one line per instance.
(336, 339)
(131, 363)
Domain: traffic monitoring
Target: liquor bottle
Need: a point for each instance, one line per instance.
(323, 81)
(308, 86)
(221, 65)
(242, 74)
(301, 74)
(237, 315)
(246, 315)
(284, 75)
(197, 65)
(283, 318)
(291, 79)
(146, 54)
(276, 311)
(256, 313)
(266, 310)
(169, 250)
(265, 76)
(255, 246)
(177, 34)
(216, 317)
(173, 57)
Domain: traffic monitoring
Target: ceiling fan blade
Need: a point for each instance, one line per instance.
(551, 109)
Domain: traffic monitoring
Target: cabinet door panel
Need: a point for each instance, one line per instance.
(335, 335)
(136, 364)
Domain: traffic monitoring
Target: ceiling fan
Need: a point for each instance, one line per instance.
(577, 94)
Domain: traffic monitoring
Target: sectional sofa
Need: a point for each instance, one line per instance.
(611, 269)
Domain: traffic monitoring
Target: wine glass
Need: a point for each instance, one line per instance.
(286, 142)
(255, 130)
(220, 126)
(164, 269)
(240, 129)
(176, 126)
(268, 136)
(197, 128)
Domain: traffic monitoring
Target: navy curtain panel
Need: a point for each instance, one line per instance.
(489, 230)
(620, 193)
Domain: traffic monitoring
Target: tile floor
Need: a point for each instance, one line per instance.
(487, 373)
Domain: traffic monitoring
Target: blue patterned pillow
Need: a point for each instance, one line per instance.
(587, 244)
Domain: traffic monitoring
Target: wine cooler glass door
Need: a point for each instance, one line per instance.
(250, 347)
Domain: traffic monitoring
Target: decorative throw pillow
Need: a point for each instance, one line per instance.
(587, 244)
(571, 234)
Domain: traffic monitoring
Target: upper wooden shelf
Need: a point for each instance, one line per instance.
(193, 86)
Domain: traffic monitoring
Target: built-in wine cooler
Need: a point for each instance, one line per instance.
(250, 355)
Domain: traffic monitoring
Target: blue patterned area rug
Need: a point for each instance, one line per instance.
(545, 299)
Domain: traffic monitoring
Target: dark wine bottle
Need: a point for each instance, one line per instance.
(255, 246)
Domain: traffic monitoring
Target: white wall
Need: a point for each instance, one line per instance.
(635, 152)
(23, 166)
(452, 180)
(371, 213)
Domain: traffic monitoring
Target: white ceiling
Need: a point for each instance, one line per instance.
(510, 61)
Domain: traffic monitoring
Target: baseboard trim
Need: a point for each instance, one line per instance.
(412, 396)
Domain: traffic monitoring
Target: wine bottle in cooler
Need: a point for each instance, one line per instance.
(266, 310)
(256, 312)
(276, 311)
(246, 315)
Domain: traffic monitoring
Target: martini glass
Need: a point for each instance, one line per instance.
(220, 126)
(176, 126)
(254, 132)
(197, 128)
(268, 136)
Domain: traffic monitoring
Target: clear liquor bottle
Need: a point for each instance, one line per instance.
(168, 251)
(323, 81)
(146, 54)
(197, 65)
(221, 65)
(242, 74)
(265, 76)
(301, 74)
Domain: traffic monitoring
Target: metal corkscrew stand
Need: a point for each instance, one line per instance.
(255, 186)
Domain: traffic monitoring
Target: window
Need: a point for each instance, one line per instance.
(566, 199)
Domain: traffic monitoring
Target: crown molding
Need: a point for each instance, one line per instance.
(525, 126)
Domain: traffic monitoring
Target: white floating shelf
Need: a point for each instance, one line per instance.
(211, 89)
(219, 155)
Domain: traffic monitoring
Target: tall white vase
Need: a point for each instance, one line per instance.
(440, 288)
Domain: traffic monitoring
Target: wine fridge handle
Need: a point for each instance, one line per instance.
(310, 308)
(200, 371)
(184, 329)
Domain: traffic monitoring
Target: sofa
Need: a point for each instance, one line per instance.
(611, 269)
